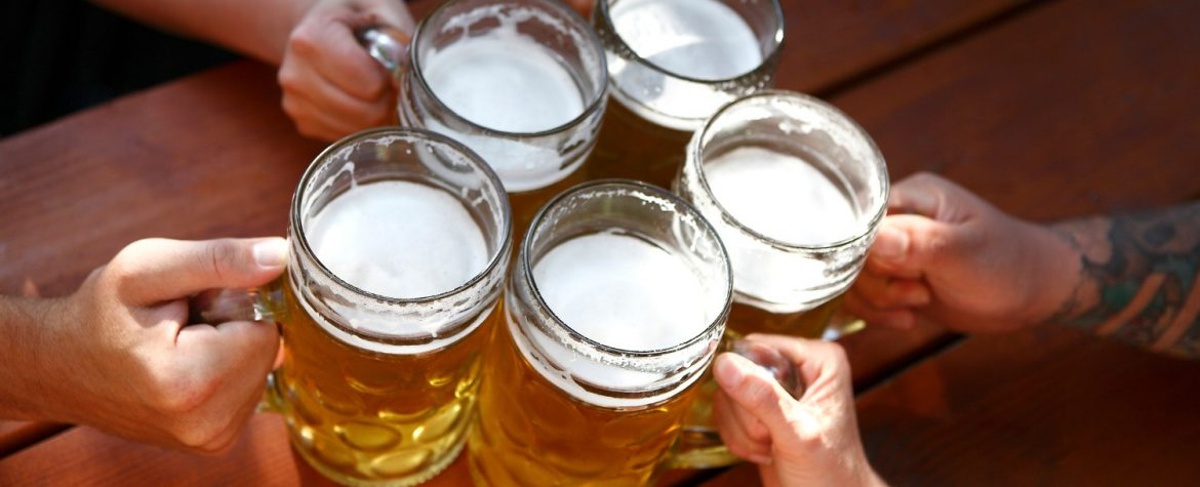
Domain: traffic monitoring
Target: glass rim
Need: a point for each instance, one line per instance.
(525, 265)
(696, 154)
(594, 104)
(776, 48)
(494, 260)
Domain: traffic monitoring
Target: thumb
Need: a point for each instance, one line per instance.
(752, 388)
(156, 270)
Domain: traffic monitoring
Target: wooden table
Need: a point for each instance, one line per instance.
(1049, 109)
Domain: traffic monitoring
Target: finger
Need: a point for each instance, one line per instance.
(730, 420)
(901, 318)
(333, 117)
(156, 270)
(232, 361)
(332, 49)
(822, 365)
(394, 14)
(886, 291)
(907, 246)
(752, 389)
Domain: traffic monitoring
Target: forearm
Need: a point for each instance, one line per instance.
(255, 28)
(1138, 278)
(25, 344)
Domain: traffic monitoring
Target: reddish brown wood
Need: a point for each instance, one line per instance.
(1062, 109)
(1046, 407)
(1073, 107)
(15, 435)
(204, 157)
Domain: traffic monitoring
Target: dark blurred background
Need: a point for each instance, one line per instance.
(59, 56)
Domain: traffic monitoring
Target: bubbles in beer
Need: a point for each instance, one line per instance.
(399, 239)
(702, 39)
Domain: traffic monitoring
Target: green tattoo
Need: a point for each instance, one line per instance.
(1147, 283)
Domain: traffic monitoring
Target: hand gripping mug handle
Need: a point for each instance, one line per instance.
(782, 369)
(230, 304)
(233, 304)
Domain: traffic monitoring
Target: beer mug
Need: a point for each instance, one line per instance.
(675, 62)
(796, 190)
(520, 82)
(399, 244)
(613, 311)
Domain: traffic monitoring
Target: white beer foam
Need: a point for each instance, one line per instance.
(784, 197)
(504, 81)
(702, 39)
(622, 291)
(781, 196)
(399, 239)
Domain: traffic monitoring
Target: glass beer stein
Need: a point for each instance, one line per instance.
(399, 244)
(675, 62)
(613, 311)
(521, 82)
(796, 190)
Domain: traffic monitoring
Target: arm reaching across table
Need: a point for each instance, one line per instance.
(945, 254)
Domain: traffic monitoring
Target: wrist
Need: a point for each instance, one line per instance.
(1061, 282)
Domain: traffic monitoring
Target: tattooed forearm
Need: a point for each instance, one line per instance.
(1139, 276)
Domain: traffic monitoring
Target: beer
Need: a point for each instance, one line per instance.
(520, 83)
(608, 329)
(399, 247)
(787, 195)
(675, 62)
(360, 412)
(796, 190)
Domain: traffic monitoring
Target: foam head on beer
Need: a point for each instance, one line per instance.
(625, 293)
(702, 39)
(399, 239)
(782, 195)
(505, 81)
(527, 79)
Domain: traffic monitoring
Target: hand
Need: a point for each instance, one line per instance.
(331, 86)
(121, 357)
(945, 254)
(809, 441)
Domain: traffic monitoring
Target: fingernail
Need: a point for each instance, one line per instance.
(271, 253)
(728, 375)
(890, 245)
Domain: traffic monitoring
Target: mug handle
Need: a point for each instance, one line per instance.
(773, 362)
(387, 45)
(234, 304)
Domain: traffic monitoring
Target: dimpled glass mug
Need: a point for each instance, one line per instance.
(796, 190)
(400, 241)
(613, 311)
(523, 83)
(675, 62)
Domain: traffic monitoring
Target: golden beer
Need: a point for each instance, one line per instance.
(400, 241)
(533, 434)
(612, 314)
(359, 416)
